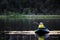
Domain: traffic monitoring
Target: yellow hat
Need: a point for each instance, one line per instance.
(41, 25)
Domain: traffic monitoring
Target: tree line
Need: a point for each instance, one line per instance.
(30, 6)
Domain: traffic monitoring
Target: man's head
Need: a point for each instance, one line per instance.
(41, 25)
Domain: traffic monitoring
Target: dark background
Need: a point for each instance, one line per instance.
(28, 7)
(35, 7)
(28, 24)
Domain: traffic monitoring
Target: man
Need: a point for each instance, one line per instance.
(41, 32)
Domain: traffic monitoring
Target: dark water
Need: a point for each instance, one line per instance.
(27, 24)
(26, 37)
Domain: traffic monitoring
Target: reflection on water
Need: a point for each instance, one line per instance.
(25, 37)
(22, 37)
(27, 24)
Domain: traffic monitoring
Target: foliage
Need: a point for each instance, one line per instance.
(30, 7)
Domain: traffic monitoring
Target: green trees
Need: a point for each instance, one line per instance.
(36, 6)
